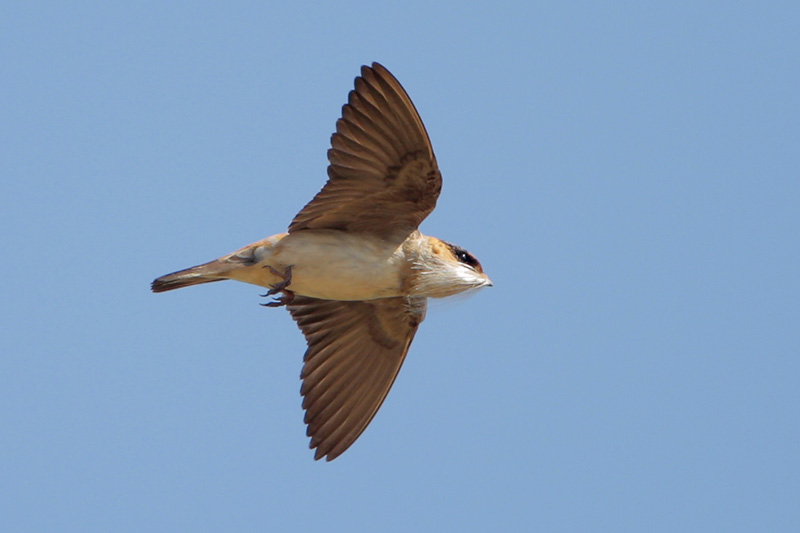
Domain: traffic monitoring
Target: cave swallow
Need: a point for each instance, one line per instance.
(353, 269)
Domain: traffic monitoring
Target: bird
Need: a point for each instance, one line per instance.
(353, 269)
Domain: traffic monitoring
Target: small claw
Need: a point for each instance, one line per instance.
(272, 291)
(285, 299)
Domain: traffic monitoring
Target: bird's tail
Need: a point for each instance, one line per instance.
(206, 273)
(241, 265)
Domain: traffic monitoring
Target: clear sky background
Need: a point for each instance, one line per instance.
(628, 175)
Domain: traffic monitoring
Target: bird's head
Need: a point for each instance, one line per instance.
(444, 269)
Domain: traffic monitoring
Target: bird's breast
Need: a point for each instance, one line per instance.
(336, 265)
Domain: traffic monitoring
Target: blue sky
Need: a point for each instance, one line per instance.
(628, 175)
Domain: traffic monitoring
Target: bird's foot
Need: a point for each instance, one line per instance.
(288, 296)
(286, 276)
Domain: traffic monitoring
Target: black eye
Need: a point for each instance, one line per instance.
(464, 257)
(467, 258)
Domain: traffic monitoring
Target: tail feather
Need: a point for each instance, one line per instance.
(206, 273)
(168, 283)
(232, 266)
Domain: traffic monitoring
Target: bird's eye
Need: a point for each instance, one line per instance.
(464, 257)
(467, 258)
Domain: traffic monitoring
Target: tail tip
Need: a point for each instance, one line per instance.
(158, 285)
(183, 278)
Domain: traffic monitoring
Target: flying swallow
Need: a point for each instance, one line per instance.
(353, 269)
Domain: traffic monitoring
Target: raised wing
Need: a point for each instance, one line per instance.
(383, 176)
(355, 350)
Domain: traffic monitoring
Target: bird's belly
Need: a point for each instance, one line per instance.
(338, 266)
